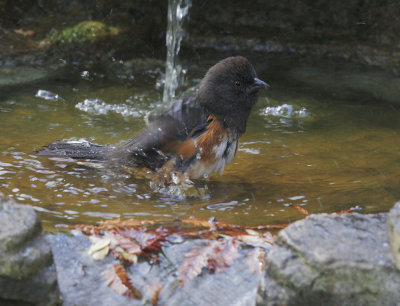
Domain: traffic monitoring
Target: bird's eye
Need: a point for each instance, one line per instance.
(237, 84)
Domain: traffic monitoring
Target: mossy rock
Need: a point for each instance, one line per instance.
(82, 41)
(86, 31)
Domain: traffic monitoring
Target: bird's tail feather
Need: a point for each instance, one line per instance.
(76, 149)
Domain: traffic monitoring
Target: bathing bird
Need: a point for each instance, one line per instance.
(196, 136)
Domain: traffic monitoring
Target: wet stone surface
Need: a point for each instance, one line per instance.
(27, 271)
(332, 260)
(82, 279)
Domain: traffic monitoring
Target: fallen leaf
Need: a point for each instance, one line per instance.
(224, 253)
(200, 223)
(100, 248)
(216, 256)
(351, 209)
(148, 241)
(300, 209)
(125, 256)
(194, 262)
(128, 244)
(118, 280)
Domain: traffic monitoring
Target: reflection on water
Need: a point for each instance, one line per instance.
(301, 147)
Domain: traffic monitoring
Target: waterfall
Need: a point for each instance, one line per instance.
(177, 11)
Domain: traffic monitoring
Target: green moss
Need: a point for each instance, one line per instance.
(86, 31)
(85, 40)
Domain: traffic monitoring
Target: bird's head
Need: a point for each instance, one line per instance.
(229, 90)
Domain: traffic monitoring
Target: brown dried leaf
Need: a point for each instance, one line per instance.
(118, 223)
(231, 231)
(300, 209)
(216, 256)
(128, 240)
(118, 280)
(194, 262)
(198, 222)
(351, 209)
(195, 233)
(225, 252)
(149, 241)
(129, 245)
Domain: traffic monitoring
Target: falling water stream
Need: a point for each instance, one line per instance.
(177, 11)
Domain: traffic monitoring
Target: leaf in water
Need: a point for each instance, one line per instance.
(231, 231)
(300, 209)
(216, 256)
(118, 223)
(199, 222)
(100, 247)
(118, 280)
(351, 209)
(256, 261)
(153, 290)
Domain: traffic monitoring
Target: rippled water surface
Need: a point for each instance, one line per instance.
(322, 137)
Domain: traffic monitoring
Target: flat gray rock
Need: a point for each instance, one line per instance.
(82, 279)
(333, 260)
(27, 271)
(18, 224)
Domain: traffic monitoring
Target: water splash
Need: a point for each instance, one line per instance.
(285, 111)
(177, 11)
(47, 95)
(99, 107)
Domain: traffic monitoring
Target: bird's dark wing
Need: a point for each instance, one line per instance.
(156, 144)
(76, 149)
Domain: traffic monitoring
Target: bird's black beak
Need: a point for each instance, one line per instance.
(257, 85)
(260, 84)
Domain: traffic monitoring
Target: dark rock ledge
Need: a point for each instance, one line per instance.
(334, 260)
(27, 271)
(324, 259)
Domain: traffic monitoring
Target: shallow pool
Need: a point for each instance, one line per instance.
(324, 136)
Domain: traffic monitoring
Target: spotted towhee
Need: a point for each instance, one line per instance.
(196, 136)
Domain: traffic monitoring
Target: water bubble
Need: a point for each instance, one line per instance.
(286, 111)
(47, 95)
(99, 107)
(295, 198)
(85, 75)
